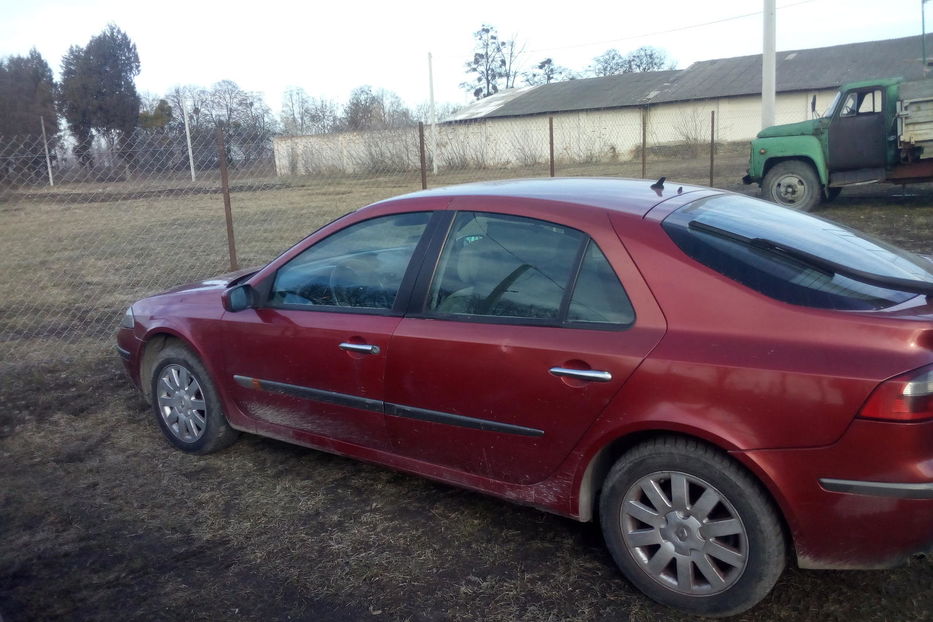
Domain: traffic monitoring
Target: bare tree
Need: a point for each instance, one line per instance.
(374, 110)
(495, 63)
(546, 72)
(609, 63)
(511, 52)
(294, 117)
(645, 58)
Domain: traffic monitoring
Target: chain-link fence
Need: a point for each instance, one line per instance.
(86, 229)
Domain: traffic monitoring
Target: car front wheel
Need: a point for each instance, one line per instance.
(186, 404)
(690, 528)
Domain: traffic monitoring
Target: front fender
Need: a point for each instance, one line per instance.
(777, 149)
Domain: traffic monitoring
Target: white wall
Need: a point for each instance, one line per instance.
(588, 136)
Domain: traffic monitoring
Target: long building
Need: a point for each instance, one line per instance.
(609, 117)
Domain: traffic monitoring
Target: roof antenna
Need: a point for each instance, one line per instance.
(658, 186)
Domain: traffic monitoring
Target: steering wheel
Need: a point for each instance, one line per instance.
(349, 288)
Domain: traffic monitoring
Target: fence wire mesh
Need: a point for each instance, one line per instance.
(88, 228)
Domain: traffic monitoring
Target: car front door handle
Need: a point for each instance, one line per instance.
(593, 375)
(362, 348)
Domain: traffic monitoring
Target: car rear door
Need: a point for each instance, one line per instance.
(517, 348)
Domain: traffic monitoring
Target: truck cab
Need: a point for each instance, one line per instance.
(870, 133)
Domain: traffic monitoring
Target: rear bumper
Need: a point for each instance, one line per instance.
(863, 502)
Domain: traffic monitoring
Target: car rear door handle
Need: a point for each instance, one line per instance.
(593, 375)
(362, 348)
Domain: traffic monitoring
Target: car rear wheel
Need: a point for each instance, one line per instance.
(690, 528)
(793, 184)
(186, 405)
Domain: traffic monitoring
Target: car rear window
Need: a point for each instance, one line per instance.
(766, 247)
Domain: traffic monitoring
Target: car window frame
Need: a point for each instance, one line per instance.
(406, 285)
(431, 264)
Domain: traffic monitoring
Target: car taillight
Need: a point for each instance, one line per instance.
(908, 397)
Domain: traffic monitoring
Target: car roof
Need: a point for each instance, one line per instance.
(630, 196)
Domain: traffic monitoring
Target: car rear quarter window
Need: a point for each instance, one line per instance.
(598, 296)
(742, 238)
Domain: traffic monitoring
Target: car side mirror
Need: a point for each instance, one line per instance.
(239, 298)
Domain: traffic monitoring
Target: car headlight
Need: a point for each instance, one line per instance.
(128, 320)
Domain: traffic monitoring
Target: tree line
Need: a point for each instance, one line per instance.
(499, 63)
(96, 102)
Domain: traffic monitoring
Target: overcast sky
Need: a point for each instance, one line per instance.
(328, 48)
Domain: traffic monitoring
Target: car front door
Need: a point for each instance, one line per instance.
(311, 356)
(525, 335)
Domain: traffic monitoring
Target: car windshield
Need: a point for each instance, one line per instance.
(778, 251)
(832, 106)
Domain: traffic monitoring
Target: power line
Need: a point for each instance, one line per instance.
(664, 32)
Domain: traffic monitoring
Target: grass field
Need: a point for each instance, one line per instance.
(101, 520)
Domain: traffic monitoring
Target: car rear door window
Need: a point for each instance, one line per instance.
(504, 266)
(360, 267)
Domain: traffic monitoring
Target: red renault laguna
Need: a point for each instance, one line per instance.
(719, 381)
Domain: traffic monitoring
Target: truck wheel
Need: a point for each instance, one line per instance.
(793, 184)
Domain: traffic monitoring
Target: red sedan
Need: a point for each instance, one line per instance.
(720, 381)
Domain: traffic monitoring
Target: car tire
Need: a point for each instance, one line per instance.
(186, 405)
(714, 548)
(793, 184)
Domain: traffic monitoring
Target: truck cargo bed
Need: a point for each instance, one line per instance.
(915, 117)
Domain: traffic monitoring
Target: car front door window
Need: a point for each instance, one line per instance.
(359, 267)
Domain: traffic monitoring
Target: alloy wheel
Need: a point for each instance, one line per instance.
(683, 533)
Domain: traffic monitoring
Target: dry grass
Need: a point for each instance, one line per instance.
(101, 520)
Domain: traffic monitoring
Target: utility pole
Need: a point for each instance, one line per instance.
(768, 64)
(433, 115)
(184, 114)
(45, 144)
(923, 33)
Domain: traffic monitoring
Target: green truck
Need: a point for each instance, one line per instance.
(875, 131)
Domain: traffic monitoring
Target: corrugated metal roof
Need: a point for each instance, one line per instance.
(797, 70)
(488, 105)
(800, 70)
(628, 89)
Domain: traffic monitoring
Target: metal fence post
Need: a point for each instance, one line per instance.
(712, 144)
(550, 130)
(644, 142)
(225, 188)
(424, 159)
